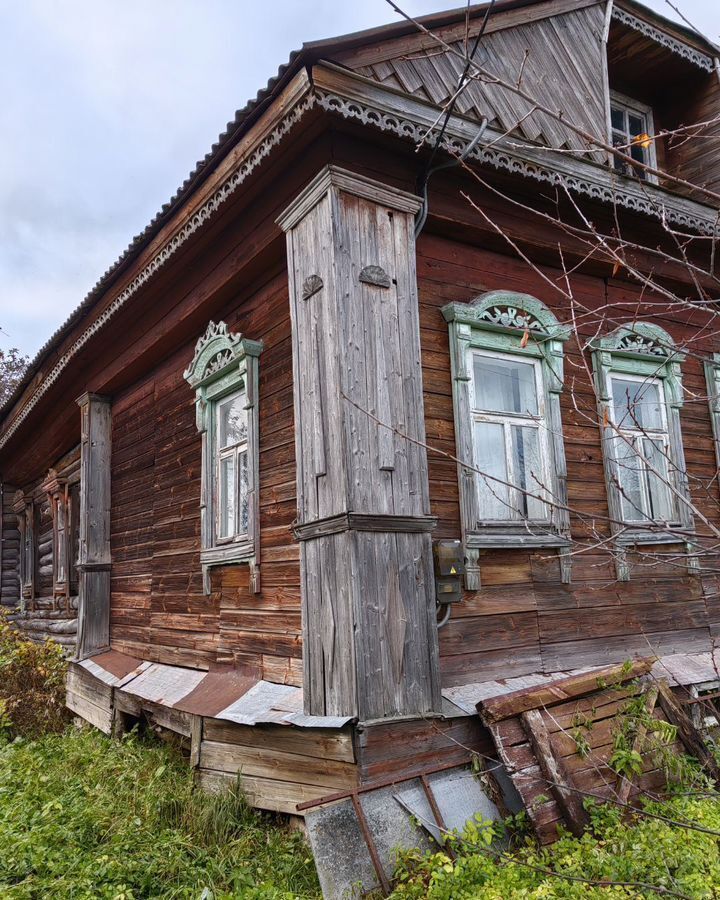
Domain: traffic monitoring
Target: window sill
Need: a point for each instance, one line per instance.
(239, 551)
(648, 536)
(510, 537)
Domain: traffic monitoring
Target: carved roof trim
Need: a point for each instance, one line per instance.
(675, 45)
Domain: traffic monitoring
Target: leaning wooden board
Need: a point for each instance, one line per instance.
(556, 741)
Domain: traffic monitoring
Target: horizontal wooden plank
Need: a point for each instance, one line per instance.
(312, 742)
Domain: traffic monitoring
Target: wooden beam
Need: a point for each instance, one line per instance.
(495, 709)
(624, 784)
(553, 771)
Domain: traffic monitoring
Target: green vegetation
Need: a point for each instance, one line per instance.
(32, 686)
(642, 858)
(82, 816)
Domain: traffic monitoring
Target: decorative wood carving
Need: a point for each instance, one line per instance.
(375, 275)
(686, 51)
(311, 285)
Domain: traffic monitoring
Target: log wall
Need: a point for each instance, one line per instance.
(158, 609)
(43, 615)
(524, 619)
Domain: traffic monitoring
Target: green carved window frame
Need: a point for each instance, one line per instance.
(508, 324)
(712, 377)
(225, 365)
(644, 352)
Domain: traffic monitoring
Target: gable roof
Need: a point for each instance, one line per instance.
(505, 14)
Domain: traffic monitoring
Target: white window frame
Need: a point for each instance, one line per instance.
(507, 419)
(518, 326)
(630, 105)
(633, 436)
(232, 451)
(226, 365)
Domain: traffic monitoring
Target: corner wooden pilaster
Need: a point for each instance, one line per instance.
(369, 622)
(94, 553)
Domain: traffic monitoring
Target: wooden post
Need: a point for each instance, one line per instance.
(369, 625)
(94, 553)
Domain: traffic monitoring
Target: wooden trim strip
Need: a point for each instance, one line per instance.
(364, 522)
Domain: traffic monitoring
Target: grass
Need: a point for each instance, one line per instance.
(82, 816)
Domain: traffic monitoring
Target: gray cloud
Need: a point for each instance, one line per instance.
(107, 106)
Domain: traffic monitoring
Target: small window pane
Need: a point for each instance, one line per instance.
(61, 547)
(490, 460)
(503, 385)
(638, 154)
(243, 465)
(659, 493)
(226, 497)
(617, 116)
(636, 125)
(629, 472)
(637, 404)
(527, 472)
(232, 421)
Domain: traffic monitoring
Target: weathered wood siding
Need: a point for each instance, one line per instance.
(560, 58)
(158, 608)
(524, 619)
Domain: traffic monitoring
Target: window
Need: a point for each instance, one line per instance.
(632, 131)
(638, 379)
(224, 375)
(712, 376)
(507, 360)
(24, 509)
(63, 498)
(231, 451)
(642, 449)
(509, 438)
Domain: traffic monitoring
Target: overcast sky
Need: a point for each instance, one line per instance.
(107, 105)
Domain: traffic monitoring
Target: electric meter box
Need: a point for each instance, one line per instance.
(449, 562)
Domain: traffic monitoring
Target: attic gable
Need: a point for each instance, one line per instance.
(555, 49)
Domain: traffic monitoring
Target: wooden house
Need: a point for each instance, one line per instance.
(225, 476)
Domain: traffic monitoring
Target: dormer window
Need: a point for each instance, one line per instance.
(632, 130)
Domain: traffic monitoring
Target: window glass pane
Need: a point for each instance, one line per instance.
(637, 404)
(659, 493)
(617, 116)
(504, 385)
(226, 496)
(629, 473)
(243, 477)
(636, 124)
(232, 421)
(61, 552)
(527, 472)
(490, 460)
(638, 154)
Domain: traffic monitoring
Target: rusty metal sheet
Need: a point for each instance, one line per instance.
(113, 668)
(215, 692)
